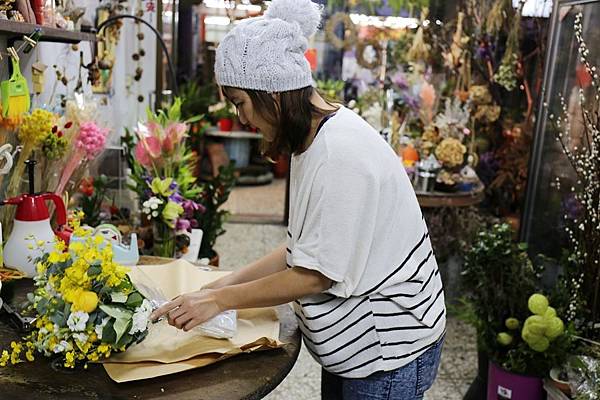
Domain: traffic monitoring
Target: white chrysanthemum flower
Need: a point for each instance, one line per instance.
(77, 321)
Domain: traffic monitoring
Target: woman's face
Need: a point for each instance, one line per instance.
(247, 114)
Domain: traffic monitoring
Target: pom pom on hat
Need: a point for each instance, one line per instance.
(303, 12)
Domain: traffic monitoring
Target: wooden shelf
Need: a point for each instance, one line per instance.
(15, 30)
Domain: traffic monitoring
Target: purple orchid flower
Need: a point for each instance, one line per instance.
(183, 224)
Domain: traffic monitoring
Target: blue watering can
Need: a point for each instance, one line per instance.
(124, 255)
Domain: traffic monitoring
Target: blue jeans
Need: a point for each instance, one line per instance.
(405, 383)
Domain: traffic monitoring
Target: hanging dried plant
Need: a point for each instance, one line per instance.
(419, 51)
(495, 18)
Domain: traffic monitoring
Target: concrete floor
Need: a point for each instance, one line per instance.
(262, 203)
(243, 243)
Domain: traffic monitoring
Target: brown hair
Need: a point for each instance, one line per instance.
(292, 116)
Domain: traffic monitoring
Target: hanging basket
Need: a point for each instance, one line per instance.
(350, 33)
(360, 53)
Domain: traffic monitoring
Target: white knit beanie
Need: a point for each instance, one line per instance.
(267, 53)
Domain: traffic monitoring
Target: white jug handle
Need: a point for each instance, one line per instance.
(5, 154)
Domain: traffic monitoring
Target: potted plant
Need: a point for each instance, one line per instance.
(223, 113)
(500, 278)
(215, 192)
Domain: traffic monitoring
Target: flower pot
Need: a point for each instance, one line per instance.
(225, 124)
(504, 385)
(560, 384)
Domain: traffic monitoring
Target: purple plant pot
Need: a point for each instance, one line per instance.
(504, 385)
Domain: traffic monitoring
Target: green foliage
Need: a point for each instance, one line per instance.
(215, 192)
(197, 98)
(499, 279)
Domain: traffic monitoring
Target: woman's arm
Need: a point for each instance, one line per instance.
(191, 309)
(267, 265)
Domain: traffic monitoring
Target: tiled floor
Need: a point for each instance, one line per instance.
(264, 202)
(244, 243)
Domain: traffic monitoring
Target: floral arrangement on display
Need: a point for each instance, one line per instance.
(222, 110)
(85, 305)
(63, 146)
(162, 173)
(501, 284)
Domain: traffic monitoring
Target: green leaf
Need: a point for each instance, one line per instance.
(135, 300)
(108, 333)
(58, 319)
(118, 297)
(42, 306)
(116, 312)
(121, 326)
(124, 341)
(94, 271)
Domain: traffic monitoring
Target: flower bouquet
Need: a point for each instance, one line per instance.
(162, 173)
(85, 306)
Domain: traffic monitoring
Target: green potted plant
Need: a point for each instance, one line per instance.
(215, 192)
(500, 278)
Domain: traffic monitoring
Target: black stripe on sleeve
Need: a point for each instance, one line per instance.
(289, 234)
(425, 235)
(288, 250)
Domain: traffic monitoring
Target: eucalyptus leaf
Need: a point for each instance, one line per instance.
(108, 333)
(121, 326)
(58, 319)
(118, 297)
(116, 311)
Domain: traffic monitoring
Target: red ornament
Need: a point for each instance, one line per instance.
(150, 6)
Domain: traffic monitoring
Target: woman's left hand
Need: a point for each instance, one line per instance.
(190, 309)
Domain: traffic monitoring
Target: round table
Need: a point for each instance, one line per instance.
(245, 376)
(455, 199)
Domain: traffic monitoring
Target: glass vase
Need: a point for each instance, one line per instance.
(164, 240)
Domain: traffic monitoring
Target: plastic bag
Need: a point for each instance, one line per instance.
(584, 377)
(222, 326)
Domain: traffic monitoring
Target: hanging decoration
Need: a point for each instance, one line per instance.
(419, 51)
(361, 46)
(350, 33)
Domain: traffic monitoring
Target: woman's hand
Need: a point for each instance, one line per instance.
(190, 309)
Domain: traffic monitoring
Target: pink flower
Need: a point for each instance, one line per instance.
(91, 139)
(174, 133)
(148, 150)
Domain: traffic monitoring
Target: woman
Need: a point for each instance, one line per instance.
(358, 264)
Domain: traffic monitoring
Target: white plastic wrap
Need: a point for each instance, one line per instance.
(222, 326)
(584, 377)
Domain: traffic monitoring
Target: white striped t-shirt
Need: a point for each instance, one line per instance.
(355, 218)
